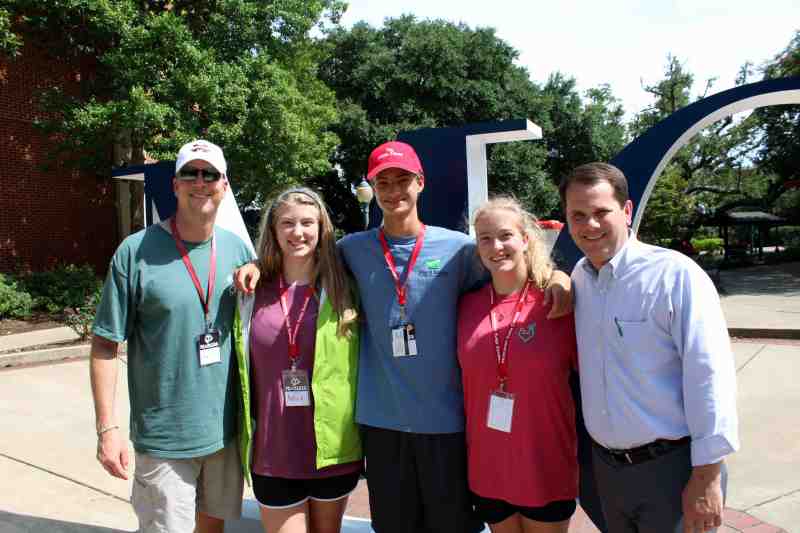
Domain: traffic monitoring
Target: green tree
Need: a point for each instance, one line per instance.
(700, 173)
(580, 130)
(10, 42)
(413, 73)
(241, 73)
(779, 126)
(667, 208)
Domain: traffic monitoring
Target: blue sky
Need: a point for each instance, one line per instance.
(619, 42)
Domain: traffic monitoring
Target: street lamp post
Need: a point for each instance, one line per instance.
(364, 195)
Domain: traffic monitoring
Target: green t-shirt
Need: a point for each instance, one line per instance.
(178, 408)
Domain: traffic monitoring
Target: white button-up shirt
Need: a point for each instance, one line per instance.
(655, 357)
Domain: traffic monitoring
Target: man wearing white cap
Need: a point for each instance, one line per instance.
(167, 295)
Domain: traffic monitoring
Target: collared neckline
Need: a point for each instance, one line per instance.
(618, 263)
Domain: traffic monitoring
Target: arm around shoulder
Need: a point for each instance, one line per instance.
(559, 291)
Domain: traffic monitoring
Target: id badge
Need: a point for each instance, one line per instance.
(208, 347)
(501, 409)
(296, 390)
(404, 340)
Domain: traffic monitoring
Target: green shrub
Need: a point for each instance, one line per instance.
(788, 236)
(80, 319)
(14, 301)
(710, 262)
(787, 255)
(709, 245)
(791, 254)
(65, 286)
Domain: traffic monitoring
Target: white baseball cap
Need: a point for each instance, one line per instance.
(203, 150)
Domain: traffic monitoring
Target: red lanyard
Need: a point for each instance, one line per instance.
(400, 286)
(294, 349)
(212, 269)
(502, 356)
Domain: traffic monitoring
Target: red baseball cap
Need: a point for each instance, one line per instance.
(393, 154)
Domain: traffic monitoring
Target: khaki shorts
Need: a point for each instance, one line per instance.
(168, 492)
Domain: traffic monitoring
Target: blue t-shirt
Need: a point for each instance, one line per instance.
(422, 393)
(179, 409)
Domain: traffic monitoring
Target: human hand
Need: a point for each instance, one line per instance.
(702, 499)
(246, 278)
(559, 291)
(112, 453)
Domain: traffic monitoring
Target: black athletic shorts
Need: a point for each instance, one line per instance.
(418, 482)
(494, 511)
(280, 493)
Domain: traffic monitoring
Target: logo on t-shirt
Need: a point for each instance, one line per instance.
(433, 264)
(526, 334)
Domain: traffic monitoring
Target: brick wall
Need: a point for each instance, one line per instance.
(46, 216)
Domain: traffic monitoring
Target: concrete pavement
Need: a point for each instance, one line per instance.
(765, 475)
(20, 341)
(26, 348)
(762, 301)
(50, 481)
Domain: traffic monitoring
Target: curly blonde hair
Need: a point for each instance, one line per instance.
(329, 270)
(537, 259)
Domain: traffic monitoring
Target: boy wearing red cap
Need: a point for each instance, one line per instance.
(410, 399)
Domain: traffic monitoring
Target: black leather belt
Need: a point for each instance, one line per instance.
(643, 453)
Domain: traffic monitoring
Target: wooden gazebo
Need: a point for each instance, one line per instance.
(759, 223)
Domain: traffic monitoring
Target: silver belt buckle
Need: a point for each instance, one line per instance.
(628, 457)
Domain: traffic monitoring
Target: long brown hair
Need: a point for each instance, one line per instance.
(537, 259)
(328, 268)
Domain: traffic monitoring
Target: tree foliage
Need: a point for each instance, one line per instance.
(580, 130)
(779, 151)
(240, 73)
(700, 179)
(413, 73)
(288, 108)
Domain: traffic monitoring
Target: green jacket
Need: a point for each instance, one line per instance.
(334, 380)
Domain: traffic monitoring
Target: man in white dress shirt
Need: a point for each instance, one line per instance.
(657, 374)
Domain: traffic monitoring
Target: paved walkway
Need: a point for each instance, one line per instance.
(50, 481)
(762, 300)
(20, 341)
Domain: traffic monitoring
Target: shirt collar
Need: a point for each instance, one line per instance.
(617, 265)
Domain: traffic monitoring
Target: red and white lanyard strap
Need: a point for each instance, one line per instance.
(212, 269)
(400, 286)
(294, 349)
(502, 356)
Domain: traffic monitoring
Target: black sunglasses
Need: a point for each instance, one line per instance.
(190, 174)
